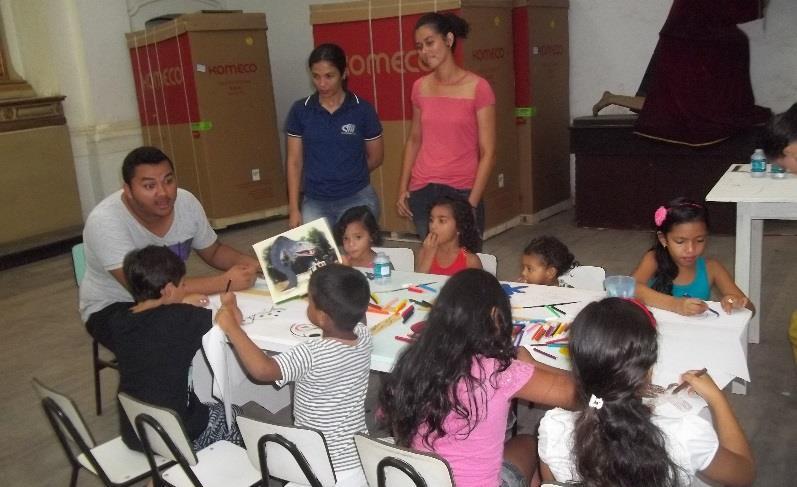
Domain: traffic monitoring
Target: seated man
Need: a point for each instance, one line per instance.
(149, 210)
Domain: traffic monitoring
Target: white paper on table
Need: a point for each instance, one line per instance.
(536, 295)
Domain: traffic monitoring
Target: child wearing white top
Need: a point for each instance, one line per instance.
(616, 438)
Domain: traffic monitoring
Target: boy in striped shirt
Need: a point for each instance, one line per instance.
(330, 373)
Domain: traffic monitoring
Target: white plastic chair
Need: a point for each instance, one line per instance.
(584, 277)
(293, 454)
(388, 464)
(489, 263)
(113, 462)
(161, 432)
(402, 258)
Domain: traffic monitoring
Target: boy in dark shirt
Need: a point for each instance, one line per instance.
(156, 342)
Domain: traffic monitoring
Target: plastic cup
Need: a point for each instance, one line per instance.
(619, 286)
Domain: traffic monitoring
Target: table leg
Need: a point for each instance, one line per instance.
(747, 270)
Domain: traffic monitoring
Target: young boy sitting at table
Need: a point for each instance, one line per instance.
(157, 339)
(330, 372)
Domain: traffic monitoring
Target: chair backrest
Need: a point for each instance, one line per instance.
(489, 263)
(402, 258)
(434, 470)
(584, 277)
(78, 262)
(69, 409)
(168, 420)
(277, 441)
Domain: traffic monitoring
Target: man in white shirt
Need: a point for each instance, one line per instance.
(150, 210)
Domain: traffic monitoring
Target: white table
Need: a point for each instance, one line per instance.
(717, 343)
(757, 199)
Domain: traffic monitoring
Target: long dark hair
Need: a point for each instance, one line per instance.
(334, 55)
(679, 210)
(466, 222)
(445, 23)
(613, 345)
(470, 318)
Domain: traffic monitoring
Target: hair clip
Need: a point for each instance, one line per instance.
(595, 402)
(643, 308)
(660, 215)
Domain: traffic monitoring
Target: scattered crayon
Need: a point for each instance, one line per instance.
(544, 353)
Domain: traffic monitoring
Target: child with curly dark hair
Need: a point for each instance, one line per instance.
(544, 260)
(452, 241)
(450, 391)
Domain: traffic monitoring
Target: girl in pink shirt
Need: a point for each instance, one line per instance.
(450, 392)
(451, 146)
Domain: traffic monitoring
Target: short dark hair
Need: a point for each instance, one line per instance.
(149, 269)
(341, 292)
(781, 131)
(552, 252)
(445, 23)
(331, 53)
(142, 155)
(360, 214)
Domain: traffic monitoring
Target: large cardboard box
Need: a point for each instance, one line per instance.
(542, 67)
(378, 37)
(205, 97)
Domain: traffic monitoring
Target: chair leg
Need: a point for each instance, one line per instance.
(95, 362)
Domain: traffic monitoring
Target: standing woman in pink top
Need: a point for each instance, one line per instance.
(451, 147)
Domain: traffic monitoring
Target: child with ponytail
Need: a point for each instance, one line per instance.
(674, 275)
(617, 438)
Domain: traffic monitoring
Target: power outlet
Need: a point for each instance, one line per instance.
(255, 174)
(501, 180)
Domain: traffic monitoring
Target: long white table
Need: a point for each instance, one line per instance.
(717, 343)
(757, 199)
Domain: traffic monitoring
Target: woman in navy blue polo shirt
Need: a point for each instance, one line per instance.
(334, 141)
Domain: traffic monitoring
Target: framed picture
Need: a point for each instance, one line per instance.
(289, 258)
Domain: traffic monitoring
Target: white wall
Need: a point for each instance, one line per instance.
(611, 42)
(77, 48)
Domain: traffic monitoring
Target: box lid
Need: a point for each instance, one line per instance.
(198, 21)
(542, 3)
(379, 9)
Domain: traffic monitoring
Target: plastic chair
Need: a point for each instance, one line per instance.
(584, 277)
(387, 464)
(293, 454)
(112, 461)
(489, 263)
(98, 363)
(161, 432)
(402, 258)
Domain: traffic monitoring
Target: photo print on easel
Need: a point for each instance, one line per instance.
(289, 258)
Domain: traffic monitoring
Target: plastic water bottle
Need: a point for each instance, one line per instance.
(381, 267)
(758, 164)
(777, 171)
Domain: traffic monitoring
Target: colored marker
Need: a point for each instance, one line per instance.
(427, 287)
(374, 298)
(715, 313)
(400, 306)
(683, 384)
(539, 334)
(376, 309)
(414, 289)
(407, 314)
(544, 353)
(402, 338)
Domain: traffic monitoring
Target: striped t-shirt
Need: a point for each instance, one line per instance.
(331, 382)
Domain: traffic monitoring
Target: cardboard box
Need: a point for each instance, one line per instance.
(378, 37)
(205, 97)
(542, 94)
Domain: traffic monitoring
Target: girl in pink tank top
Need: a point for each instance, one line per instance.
(453, 239)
